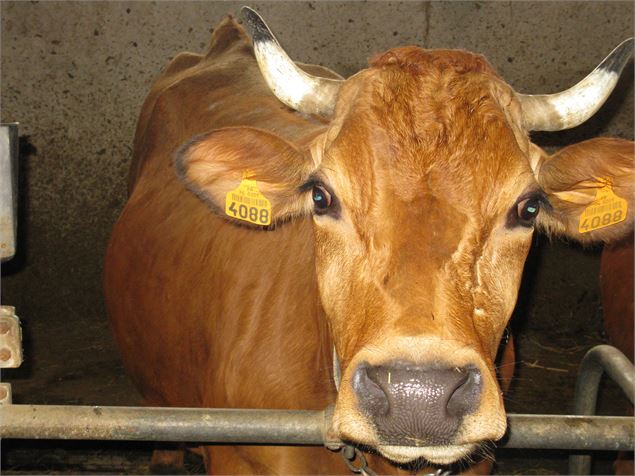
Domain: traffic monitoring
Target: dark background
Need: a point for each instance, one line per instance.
(74, 74)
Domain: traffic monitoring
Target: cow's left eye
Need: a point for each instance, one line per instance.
(527, 211)
(321, 199)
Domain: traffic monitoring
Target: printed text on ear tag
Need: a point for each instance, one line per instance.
(247, 203)
(607, 209)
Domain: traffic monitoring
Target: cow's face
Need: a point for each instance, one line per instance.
(424, 206)
(423, 191)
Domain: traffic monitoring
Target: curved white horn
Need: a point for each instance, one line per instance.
(297, 89)
(570, 108)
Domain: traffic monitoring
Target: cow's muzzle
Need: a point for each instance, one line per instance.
(416, 405)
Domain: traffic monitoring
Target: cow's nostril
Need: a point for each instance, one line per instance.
(465, 396)
(372, 397)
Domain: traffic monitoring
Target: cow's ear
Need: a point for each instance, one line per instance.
(590, 188)
(247, 175)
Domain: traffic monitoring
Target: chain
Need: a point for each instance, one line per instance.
(440, 472)
(352, 454)
(356, 462)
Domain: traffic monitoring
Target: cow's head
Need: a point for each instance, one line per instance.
(425, 191)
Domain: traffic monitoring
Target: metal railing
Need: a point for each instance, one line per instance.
(583, 431)
(597, 361)
(280, 427)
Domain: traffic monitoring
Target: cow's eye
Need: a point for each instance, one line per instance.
(527, 211)
(321, 199)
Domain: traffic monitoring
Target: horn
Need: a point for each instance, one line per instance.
(570, 108)
(297, 89)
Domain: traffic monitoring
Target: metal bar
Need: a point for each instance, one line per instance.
(570, 432)
(597, 361)
(277, 426)
(161, 424)
(8, 190)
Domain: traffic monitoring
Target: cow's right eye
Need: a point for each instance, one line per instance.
(528, 211)
(321, 199)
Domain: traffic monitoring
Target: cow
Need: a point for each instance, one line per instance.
(616, 287)
(286, 226)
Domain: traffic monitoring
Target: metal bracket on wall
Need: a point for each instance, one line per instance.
(10, 347)
(8, 190)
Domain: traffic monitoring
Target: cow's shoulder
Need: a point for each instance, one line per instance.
(221, 88)
(227, 36)
(228, 55)
(228, 42)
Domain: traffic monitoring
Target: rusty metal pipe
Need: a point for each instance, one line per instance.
(276, 426)
(597, 361)
(570, 432)
(161, 424)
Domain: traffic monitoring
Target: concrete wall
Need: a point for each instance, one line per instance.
(75, 74)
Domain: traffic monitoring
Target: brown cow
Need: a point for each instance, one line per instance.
(616, 285)
(386, 216)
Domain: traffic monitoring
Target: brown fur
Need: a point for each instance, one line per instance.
(616, 286)
(418, 61)
(427, 158)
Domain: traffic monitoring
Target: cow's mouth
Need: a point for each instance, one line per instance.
(432, 454)
(420, 408)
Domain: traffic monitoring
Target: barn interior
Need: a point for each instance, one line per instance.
(74, 75)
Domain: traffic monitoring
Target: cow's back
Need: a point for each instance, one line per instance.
(191, 297)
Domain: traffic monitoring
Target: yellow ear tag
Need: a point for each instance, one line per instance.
(247, 203)
(607, 209)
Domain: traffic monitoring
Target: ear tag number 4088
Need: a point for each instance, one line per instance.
(607, 209)
(246, 203)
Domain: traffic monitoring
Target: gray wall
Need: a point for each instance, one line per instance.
(74, 74)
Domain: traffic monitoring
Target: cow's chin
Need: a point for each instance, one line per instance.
(432, 454)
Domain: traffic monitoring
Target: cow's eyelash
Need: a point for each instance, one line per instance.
(518, 215)
(333, 208)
